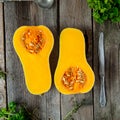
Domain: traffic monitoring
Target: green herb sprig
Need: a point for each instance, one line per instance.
(105, 10)
(76, 107)
(2, 74)
(14, 112)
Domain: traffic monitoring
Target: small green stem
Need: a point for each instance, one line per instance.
(5, 118)
(75, 109)
(2, 74)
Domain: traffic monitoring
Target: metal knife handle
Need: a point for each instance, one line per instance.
(102, 93)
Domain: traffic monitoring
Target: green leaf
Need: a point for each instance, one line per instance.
(12, 107)
(104, 17)
(96, 15)
(14, 112)
(2, 112)
(117, 1)
(106, 1)
(2, 74)
(105, 10)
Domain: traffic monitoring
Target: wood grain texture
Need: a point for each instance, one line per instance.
(72, 15)
(53, 105)
(49, 17)
(16, 14)
(112, 69)
(2, 60)
(47, 106)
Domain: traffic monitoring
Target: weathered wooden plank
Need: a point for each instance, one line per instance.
(49, 17)
(15, 15)
(2, 60)
(75, 13)
(112, 42)
(46, 106)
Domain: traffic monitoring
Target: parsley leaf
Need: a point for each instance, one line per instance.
(105, 10)
(14, 112)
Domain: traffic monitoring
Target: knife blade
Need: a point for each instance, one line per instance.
(102, 69)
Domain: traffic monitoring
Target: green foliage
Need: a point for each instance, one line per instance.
(105, 10)
(2, 74)
(14, 112)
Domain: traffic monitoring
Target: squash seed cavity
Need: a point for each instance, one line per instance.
(33, 40)
(74, 76)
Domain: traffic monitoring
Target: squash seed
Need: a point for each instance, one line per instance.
(33, 40)
(66, 83)
(71, 88)
(73, 75)
(31, 51)
(82, 81)
(31, 44)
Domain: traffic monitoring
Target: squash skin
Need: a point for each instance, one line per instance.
(72, 54)
(35, 66)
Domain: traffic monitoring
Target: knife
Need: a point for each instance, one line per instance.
(102, 69)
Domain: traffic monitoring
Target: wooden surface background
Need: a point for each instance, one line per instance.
(53, 105)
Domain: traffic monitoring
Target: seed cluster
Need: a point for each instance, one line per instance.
(72, 76)
(33, 40)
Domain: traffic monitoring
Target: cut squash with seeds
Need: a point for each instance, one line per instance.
(33, 45)
(73, 74)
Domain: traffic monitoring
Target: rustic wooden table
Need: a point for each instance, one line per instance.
(53, 105)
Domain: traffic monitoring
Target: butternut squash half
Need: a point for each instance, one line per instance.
(33, 45)
(73, 74)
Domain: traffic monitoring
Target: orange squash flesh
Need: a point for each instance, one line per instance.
(34, 56)
(73, 74)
